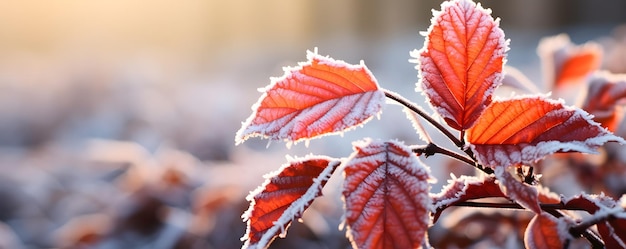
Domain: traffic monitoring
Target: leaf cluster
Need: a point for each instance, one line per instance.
(386, 188)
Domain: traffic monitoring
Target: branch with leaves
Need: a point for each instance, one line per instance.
(386, 188)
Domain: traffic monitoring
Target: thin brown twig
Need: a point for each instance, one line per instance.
(552, 209)
(432, 149)
(408, 104)
(460, 143)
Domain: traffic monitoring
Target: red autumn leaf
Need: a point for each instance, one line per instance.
(461, 62)
(386, 196)
(320, 96)
(605, 99)
(589, 203)
(283, 198)
(579, 65)
(526, 129)
(543, 233)
(611, 229)
(613, 232)
(463, 189)
(566, 63)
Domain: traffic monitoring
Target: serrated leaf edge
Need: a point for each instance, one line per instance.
(587, 146)
(293, 210)
(244, 132)
(416, 55)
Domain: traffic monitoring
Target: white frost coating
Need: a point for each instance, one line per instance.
(412, 162)
(602, 78)
(350, 116)
(607, 207)
(295, 209)
(603, 215)
(358, 108)
(452, 190)
(422, 84)
(426, 66)
(542, 96)
(616, 84)
(601, 201)
(563, 224)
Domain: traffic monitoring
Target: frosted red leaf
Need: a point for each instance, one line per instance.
(318, 97)
(525, 129)
(589, 203)
(613, 232)
(461, 62)
(543, 233)
(284, 196)
(524, 194)
(462, 189)
(386, 196)
(613, 229)
(579, 65)
(606, 99)
(566, 63)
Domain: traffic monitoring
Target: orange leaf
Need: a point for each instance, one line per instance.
(526, 129)
(543, 233)
(320, 96)
(579, 65)
(607, 92)
(386, 196)
(461, 62)
(283, 198)
(566, 63)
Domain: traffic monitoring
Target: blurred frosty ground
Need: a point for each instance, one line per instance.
(117, 120)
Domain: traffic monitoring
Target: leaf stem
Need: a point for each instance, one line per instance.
(432, 149)
(462, 136)
(413, 107)
(460, 143)
(582, 227)
(513, 205)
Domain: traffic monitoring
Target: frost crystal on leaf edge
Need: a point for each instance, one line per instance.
(372, 108)
(295, 209)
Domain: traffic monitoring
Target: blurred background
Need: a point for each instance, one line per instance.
(117, 118)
